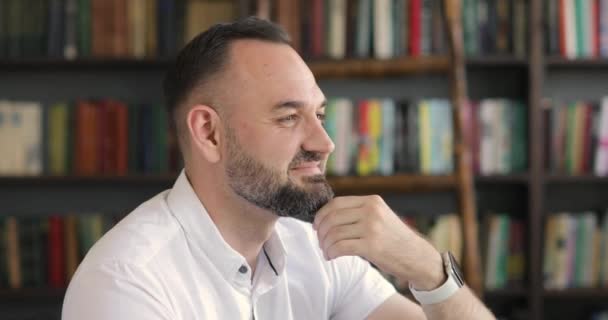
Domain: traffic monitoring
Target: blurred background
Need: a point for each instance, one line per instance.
(84, 136)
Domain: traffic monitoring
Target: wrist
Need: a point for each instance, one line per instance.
(431, 274)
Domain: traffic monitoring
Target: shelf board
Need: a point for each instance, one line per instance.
(582, 293)
(496, 61)
(396, 183)
(352, 185)
(565, 178)
(84, 64)
(348, 184)
(506, 293)
(518, 178)
(321, 68)
(88, 180)
(378, 68)
(325, 68)
(575, 63)
(29, 295)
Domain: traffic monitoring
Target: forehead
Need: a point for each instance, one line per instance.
(268, 72)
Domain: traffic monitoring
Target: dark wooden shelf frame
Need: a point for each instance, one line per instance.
(30, 295)
(561, 62)
(517, 178)
(565, 178)
(577, 293)
(322, 68)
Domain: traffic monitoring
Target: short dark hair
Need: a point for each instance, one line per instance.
(207, 54)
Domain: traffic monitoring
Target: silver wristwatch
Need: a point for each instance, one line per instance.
(454, 281)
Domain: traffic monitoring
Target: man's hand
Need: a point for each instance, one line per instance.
(366, 227)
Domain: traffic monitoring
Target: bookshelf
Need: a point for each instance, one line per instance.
(532, 192)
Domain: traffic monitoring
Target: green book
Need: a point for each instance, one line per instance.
(38, 16)
(518, 136)
(28, 22)
(84, 27)
(31, 252)
(503, 254)
(3, 31)
(14, 28)
(85, 234)
(470, 24)
(580, 16)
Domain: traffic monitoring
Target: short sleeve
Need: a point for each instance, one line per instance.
(113, 291)
(358, 288)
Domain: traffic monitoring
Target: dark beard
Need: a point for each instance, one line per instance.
(262, 186)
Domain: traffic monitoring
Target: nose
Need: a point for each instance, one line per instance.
(317, 139)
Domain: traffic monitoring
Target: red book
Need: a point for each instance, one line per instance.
(101, 28)
(595, 14)
(119, 31)
(56, 253)
(105, 130)
(122, 138)
(85, 140)
(317, 28)
(562, 27)
(415, 27)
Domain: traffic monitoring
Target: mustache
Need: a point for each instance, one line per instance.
(305, 156)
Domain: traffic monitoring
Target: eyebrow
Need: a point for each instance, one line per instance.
(294, 104)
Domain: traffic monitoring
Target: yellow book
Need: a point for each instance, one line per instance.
(58, 138)
(151, 29)
(137, 27)
(375, 133)
(71, 245)
(13, 254)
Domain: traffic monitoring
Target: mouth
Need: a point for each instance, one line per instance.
(308, 168)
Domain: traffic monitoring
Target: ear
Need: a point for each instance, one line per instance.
(203, 125)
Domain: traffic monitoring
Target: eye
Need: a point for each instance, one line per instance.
(289, 118)
(321, 116)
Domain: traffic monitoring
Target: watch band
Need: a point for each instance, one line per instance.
(446, 290)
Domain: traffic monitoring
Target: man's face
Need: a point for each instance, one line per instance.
(276, 147)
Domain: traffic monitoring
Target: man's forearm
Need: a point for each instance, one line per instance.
(462, 305)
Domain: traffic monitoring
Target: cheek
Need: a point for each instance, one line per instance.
(274, 147)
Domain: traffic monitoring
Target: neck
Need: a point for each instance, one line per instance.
(244, 226)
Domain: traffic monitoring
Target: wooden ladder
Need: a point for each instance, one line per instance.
(463, 173)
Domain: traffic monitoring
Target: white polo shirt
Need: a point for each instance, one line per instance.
(167, 260)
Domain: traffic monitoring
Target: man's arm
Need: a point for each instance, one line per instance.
(462, 305)
(367, 227)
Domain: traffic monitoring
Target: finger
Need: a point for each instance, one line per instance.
(348, 247)
(336, 218)
(340, 233)
(335, 204)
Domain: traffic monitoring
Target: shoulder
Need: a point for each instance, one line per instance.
(137, 238)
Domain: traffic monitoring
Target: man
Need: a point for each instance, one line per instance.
(223, 242)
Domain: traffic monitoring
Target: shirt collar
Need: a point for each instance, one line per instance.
(204, 237)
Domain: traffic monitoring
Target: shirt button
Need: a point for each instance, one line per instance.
(243, 269)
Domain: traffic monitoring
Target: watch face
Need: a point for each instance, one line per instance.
(457, 272)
